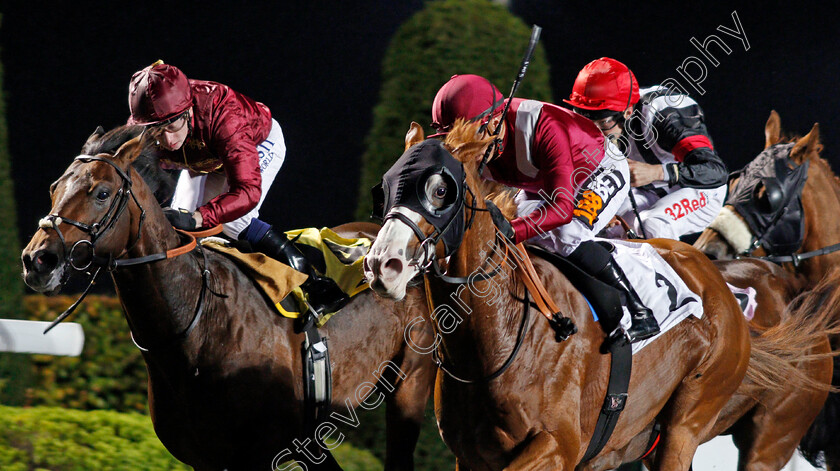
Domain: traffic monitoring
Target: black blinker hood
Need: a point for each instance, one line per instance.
(777, 219)
(404, 184)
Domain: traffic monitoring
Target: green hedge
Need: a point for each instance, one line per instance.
(110, 373)
(68, 440)
(48, 438)
(447, 37)
(12, 367)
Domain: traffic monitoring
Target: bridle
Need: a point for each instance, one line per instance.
(428, 265)
(786, 193)
(98, 229)
(107, 222)
(427, 259)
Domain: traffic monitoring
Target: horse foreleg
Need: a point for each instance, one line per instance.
(543, 451)
(404, 412)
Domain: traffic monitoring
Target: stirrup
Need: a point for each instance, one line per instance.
(618, 335)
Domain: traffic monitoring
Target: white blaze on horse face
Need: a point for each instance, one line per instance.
(388, 267)
(43, 250)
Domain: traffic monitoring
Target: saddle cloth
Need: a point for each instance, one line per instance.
(336, 257)
(658, 286)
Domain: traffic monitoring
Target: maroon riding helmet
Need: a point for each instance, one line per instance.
(158, 94)
(471, 97)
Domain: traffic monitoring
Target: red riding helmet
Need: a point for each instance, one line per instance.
(158, 93)
(470, 97)
(604, 84)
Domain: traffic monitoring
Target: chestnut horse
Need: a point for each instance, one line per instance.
(540, 413)
(819, 220)
(226, 394)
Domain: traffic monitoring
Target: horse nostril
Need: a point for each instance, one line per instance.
(392, 267)
(43, 262)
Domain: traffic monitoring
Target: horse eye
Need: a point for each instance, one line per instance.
(103, 195)
(440, 192)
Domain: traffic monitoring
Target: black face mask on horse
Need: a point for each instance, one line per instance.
(775, 214)
(404, 185)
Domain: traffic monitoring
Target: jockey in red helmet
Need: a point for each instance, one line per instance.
(678, 180)
(230, 150)
(572, 179)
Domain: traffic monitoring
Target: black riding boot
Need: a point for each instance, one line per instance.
(323, 293)
(644, 325)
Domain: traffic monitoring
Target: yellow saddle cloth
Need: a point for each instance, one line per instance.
(341, 259)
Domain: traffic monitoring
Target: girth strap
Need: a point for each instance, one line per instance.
(621, 365)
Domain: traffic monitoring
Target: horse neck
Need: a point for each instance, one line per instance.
(821, 204)
(486, 314)
(159, 298)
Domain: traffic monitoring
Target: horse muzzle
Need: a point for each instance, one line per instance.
(43, 266)
(388, 274)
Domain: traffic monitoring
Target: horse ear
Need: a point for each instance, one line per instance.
(97, 133)
(772, 130)
(806, 145)
(131, 149)
(414, 135)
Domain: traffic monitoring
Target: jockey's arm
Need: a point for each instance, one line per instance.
(554, 159)
(683, 132)
(241, 166)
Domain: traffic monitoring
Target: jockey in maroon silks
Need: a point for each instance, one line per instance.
(678, 181)
(572, 179)
(230, 150)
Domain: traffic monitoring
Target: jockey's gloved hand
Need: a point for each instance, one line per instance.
(500, 221)
(180, 218)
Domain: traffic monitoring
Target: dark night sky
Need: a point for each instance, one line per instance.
(316, 64)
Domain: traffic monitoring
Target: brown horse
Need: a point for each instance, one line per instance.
(541, 412)
(226, 394)
(819, 219)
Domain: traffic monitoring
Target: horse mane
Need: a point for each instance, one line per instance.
(468, 148)
(147, 164)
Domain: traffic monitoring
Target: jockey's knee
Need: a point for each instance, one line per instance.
(656, 228)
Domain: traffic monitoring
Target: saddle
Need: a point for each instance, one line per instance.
(336, 257)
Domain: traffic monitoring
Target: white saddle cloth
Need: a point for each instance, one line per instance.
(658, 286)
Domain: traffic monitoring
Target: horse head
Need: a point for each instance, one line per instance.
(428, 200)
(764, 209)
(96, 216)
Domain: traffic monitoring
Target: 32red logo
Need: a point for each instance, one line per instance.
(685, 207)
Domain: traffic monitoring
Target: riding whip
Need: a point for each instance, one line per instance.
(526, 61)
(636, 212)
